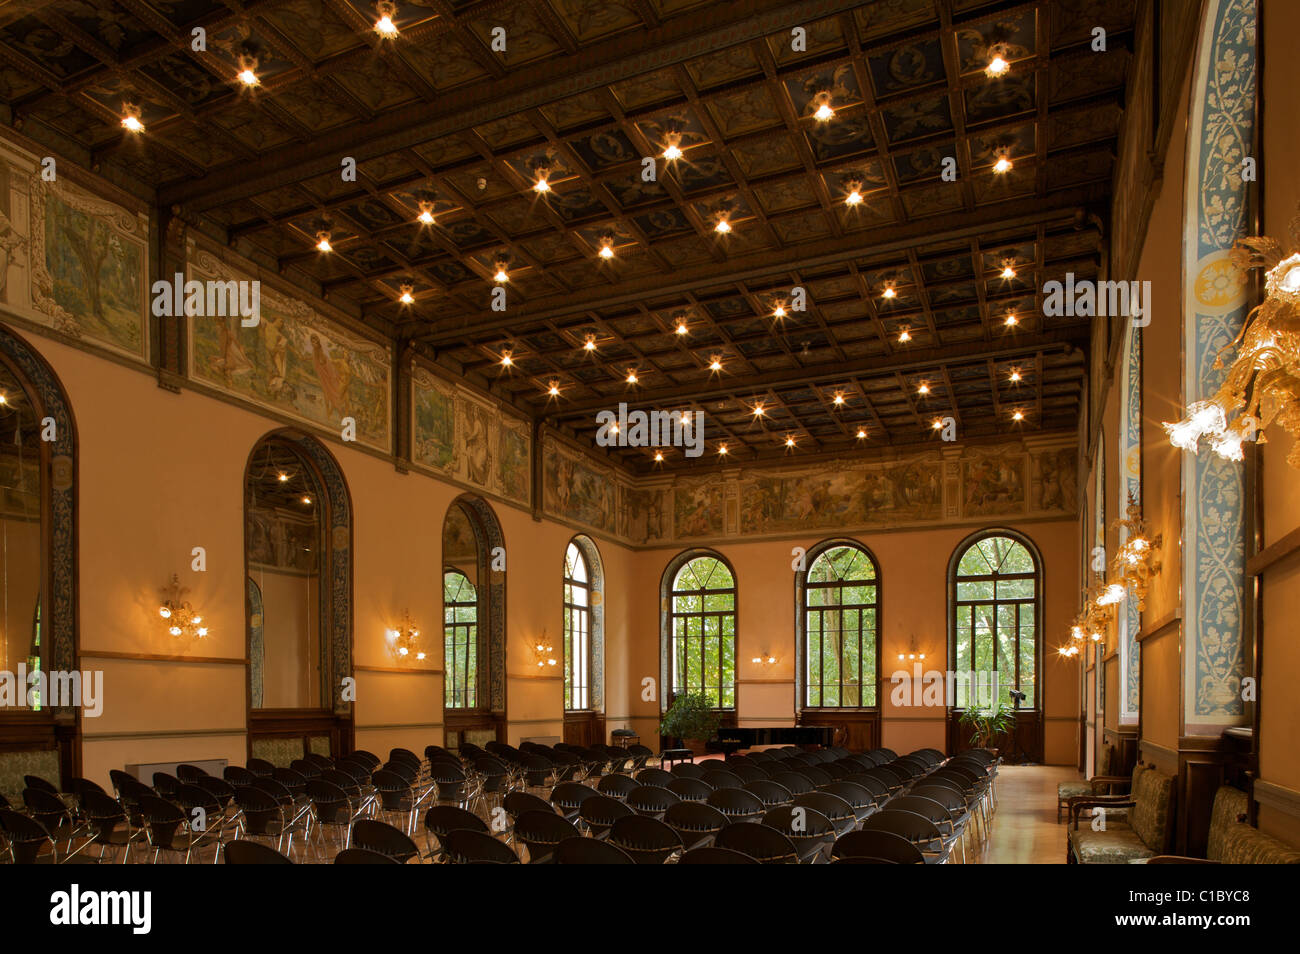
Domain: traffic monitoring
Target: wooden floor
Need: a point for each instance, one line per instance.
(1025, 829)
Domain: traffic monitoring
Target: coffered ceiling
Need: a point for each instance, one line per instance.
(584, 92)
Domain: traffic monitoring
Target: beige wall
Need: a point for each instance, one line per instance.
(914, 605)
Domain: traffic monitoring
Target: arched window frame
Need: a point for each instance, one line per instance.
(335, 570)
(667, 616)
(802, 653)
(491, 587)
(453, 628)
(595, 620)
(1036, 601)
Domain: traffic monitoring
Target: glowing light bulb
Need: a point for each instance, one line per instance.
(789, 442)
(937, 424)
(501, 276)
(385, 26)
(722, 449)
(682, 329)
(1011, 321)
(778, 311)
(722, 227)
(862, 433)
(759, 410)
(553, 390)
(426, 213)
(165, 612)
(306, 500)
(248, 77)
(904, 336)
(589, 344)
(889, 292)
(1015, 377)
(282, 477)
(715, 365)
(406, 298)
(838, 400)
(203, 631)
(923, 389)
(631, 377)
(606, 252)
(174, 630)
(131, 119)
(541, 185)
(1018, 416)
(659, 457)
(1008, 272)
(1003, 165)
(853, 198)
(824, 112)
(672, 152)
(323, 242)
(506, 359)
(997, 66)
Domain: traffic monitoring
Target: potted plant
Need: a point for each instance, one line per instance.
(987, 723)
(690, 721)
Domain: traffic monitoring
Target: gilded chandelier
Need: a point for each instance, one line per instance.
(1263, 383)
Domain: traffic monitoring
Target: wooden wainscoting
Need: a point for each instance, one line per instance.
(457, 722)
(857, 730)
(584, 728)
(1023, 744)
(301, 724)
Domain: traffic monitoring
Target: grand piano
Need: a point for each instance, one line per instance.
(730, 740)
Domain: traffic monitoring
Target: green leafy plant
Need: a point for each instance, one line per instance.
(691, 716)
(987, 723)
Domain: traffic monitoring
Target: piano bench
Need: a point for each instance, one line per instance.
(668, 756)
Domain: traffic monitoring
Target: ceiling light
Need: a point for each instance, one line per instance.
(862, 433)
(937, 424)
(779, 310)
(554, 389)
(1018, 415)
(501, 265)
(659, 457)
(631, 377)
(923, 389)
(248, 71)
(131, 118)
(686, 417)
(1003, 164)
(682, 328)
(998, 66)
(723, 226)
(722, 449)
(854, 196)
(1015, 376)
(839, 398)
(789, 442)
(385, 26)
(824, 110)
(306, 500)
(673, 149)
(426, 212)
(889, 292)
(1007, 271)
(282, 477)
(506, 360)
(607, 247)
(904, 336)
(715, 364)
(613, 427)
(1011, 320)
(590, 343)
(759, 410)
(406, 298)
(541, 185)
(323, 242)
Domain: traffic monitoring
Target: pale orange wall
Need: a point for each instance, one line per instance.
(1278, 701)
(914, 605)
(1161, 264)
(161, 473)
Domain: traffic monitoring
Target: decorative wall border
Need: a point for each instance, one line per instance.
(1215, 302)
(1130, 485)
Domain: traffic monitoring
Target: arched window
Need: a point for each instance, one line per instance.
(840, 604)
(460, 640)
(577, 630)
(700, 626)
(996, 594)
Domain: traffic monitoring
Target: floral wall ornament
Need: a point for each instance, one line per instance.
(178, 616)
(1262, 384)
(404, 641)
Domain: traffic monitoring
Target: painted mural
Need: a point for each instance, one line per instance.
(862, 495)
(70, 260)
(1216, 300)
(496, 454)
(575, 490)
(292, 361)
(698, 509)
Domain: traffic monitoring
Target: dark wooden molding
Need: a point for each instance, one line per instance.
(163, 657)
(1274, 553)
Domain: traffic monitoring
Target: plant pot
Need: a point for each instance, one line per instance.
(697, 746)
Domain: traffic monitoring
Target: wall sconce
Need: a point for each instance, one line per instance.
(1138, 558)
(545, 652)
(1091, 623)
(177, 614)
(404, 642)
(912, 655)
(766, 659)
